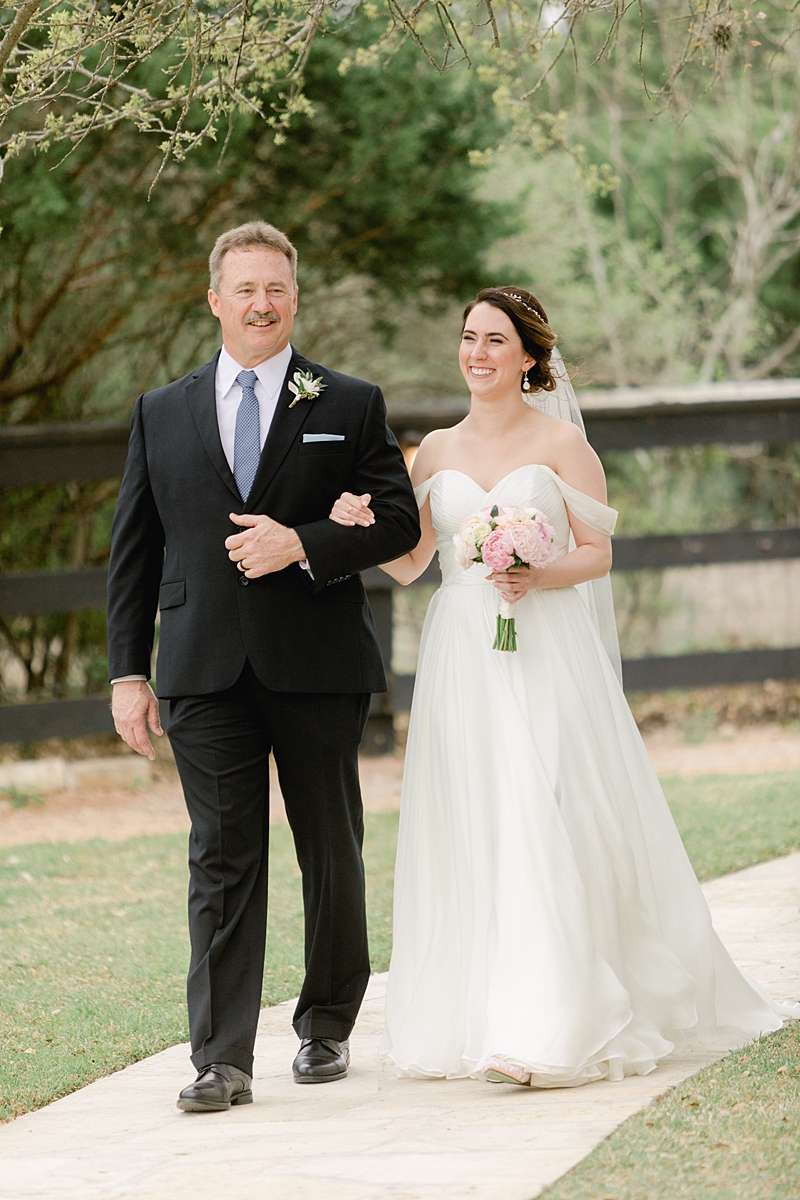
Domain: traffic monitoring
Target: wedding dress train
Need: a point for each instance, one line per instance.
(545, 908)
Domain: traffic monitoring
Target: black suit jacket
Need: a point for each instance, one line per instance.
(168, 543)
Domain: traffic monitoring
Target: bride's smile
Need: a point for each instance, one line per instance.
(491, 355)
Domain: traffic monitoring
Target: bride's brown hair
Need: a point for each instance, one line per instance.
(530, 321)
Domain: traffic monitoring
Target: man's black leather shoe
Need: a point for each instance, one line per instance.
(217, 1087)
(321, 1060)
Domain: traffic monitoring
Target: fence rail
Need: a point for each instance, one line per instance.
(39, 593)
(625, 419)
(622, 419)
(62, 453)
(630, 418)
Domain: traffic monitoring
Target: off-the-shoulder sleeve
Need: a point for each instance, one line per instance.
(423, 491)
(594, 514)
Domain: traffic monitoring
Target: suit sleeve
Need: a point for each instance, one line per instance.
(334, 551)
(134, 571)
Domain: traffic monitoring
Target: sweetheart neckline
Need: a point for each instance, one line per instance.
(488, 492)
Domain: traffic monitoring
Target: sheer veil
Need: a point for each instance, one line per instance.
(563, 403)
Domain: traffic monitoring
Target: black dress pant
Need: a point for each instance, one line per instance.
(222, 744)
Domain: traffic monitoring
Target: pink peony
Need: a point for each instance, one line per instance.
(532, 542)
(512, 516)
(498, 550)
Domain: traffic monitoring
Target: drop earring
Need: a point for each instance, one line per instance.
(526, 383)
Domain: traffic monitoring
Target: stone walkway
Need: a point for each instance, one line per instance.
(370, 1137)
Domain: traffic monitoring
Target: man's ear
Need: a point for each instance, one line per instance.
(213, 301)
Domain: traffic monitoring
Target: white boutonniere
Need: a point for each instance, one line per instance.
(305, 387)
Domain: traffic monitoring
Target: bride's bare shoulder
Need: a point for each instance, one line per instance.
(571, 457)
(429, 456)
(560, 432)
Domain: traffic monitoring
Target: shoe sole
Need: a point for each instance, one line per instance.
(498, 1077)
(320, 1078)
(210, 1106)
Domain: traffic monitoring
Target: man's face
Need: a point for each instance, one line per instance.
(256, 304)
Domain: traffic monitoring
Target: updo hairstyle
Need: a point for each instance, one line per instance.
(530, 321)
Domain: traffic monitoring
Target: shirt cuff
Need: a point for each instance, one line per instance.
(305, 567)
(129, 679)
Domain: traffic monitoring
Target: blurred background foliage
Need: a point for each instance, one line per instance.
(102, 290)
(664, 244)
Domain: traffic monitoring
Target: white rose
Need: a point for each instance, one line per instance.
(477, 534)
(460, 550)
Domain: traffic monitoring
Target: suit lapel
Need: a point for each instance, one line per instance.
(202, 399)
(286, 425)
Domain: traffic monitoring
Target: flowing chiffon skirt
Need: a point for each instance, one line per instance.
(545, 908)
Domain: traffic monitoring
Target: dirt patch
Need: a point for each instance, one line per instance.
(695, 711)
(75, 816)
(114, 814)
(752, 750)
(123, 812)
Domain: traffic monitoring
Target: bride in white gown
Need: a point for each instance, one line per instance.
(548, 926)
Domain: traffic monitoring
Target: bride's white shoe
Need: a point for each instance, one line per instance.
(501, 1070)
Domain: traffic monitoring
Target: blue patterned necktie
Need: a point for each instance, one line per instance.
(247, 437)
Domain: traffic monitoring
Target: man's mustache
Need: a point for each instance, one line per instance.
(272, 317)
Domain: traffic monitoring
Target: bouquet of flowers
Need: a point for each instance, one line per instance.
(502, 538)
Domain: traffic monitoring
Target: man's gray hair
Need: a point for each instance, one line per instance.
(243, 237)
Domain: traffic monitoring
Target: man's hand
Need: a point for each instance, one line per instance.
(134, 706)
(264, 546)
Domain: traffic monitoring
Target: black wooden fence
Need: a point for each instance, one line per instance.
(626, 419)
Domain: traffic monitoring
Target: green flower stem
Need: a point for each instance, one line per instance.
(506, 636)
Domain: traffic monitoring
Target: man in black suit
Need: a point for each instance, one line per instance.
(267, 644)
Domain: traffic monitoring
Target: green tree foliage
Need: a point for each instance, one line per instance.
(665, 246)
(102, 290)
(77, 66)
(668, 243)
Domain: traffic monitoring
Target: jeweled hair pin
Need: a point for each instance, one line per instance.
(521, 300)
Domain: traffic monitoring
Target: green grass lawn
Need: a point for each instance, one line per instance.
(93, 949)
(728, 1133)
(728, 822)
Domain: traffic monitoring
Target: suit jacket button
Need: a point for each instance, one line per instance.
(244, 581)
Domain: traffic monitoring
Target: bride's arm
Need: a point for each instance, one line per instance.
(578, 465)
(355, 510)
(410, 566)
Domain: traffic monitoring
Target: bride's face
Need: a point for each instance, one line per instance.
(492, 357)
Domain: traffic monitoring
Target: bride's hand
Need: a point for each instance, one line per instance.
(353, 510)
(514, 583)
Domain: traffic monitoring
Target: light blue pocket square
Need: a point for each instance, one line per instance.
(323, 437)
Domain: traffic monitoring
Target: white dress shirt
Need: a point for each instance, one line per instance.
(269, 380)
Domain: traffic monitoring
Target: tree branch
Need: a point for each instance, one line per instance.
(25, 14)
(775, 358)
